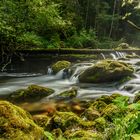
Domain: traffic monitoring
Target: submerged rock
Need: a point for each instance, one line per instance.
(106, 71)
(16, 124)
(68, 94)
(60, 65)
(31, 94)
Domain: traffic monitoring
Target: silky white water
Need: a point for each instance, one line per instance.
(10, 82)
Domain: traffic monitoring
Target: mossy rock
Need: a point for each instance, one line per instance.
(60, 65)
(98, 105)
(106, 71)
(100, 124)
(91, 114)
(69, 120)
(16, 124)
(112, 111)
(137, 97)
(42, 121)
(132, 56)
(32, 94)
(106, 99)
(83, 135)
(68, 94)
(123, 46)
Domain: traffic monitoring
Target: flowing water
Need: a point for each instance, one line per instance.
(12, 81)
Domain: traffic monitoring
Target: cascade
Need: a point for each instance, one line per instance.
(103, 56)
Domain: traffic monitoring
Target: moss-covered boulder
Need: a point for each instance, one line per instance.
(100, 124)
(106, 71)
(60, 65)
(98, 105)
(31, 94)
(69, 120)
(132, 56)
(123, 46)
(68, 94)
(42, 120)
(91, 114)
(16, 124)
(112, 111)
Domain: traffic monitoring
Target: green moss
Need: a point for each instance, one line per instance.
(98, 105)
(100, 124)
(112, 111)
(31, 94)
(69, 120)
(60, 65)
(69, 94)
(91, 114)
(42, 120)
(15, 124)
(83, 135)
(106, 71)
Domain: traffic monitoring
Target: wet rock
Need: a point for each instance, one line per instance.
(138, 63)
(60, 65)
(68, 94)
(40, 108)
(106, 71)
(132, 56)
(16, 124)
(32, 94)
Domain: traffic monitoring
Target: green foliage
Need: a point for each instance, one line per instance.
(65, 23)
(32, 40)
(83, 39)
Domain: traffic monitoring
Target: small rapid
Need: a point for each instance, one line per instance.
(10, 82)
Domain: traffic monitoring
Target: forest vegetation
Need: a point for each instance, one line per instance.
(68, 24)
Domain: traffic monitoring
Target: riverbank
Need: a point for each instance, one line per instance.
(108, 117)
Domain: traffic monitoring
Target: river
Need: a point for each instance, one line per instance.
(11, 81)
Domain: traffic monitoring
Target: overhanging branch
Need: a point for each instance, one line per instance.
(133, 25)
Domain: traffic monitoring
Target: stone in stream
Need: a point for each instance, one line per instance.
(106, 71)
(59, 65)
(32, 94)
(17, 124)
(68, 94)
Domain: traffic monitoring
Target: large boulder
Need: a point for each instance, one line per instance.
(31, 94)
(106, 71)
(59, 65)
(16, 124)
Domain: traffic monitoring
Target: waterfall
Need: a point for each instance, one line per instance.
(78, 69)
(113, 56)
(103, 56)
(59, 75)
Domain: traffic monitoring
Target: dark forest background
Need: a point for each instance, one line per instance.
(27, 24)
